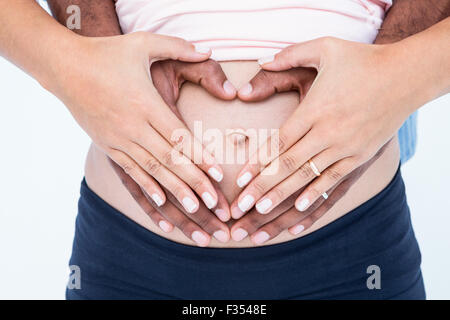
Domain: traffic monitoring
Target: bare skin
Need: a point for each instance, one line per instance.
(397, 25)
(31, 67)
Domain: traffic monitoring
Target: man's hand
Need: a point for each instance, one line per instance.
(169, 75)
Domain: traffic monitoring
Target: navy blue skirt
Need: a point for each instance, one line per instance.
(370, 253)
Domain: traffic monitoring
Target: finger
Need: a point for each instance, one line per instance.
(152, 166)
(328, 179)
(144, 200)
(175, 132)
(129, 168)
(165, 81)
(167, 47)
(177, 163)
(279, 170)
(209, 75)
(305, 54)
(322, 206)
(147, 204)
(253, 220)
(206, 220)
(281, 141)
(186, 225)
(222, 210)
(290, 218)
(267, 83)
(302, 176)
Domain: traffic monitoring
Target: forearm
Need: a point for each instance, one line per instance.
(30, 38)
(408, 17)
(424, 59)
(98, 18)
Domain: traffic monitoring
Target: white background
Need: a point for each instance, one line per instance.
(42, 153)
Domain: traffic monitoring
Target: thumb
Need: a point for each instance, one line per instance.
(165, 47)
(267, 83)
(305, 54)
(210, 76)
(165, 83)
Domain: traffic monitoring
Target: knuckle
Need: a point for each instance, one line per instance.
(151, 211)
(128, 167)
(252, 222)
(197, 183)
(167, 159)
(152, 165)
(282, 141)
(305, 172)
(184, 224)
(259, 186)
(333, 174)
(289, 162)
(203, 220)
(279, 192)
(276, 226)
(212, 66)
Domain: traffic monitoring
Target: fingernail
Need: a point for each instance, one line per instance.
(221, 235)
(243, 180)
(209, 200)
(164, 226)
(200, 49)
(266, 60)
(222, 214)
(302, 204)
(157, 199)
(246, 89)
(236, 213)
(200, 238)
(189, 204)
(297, 229)
(215, 174)
(246, 203)
(264, 205)
(261, 237)
(229, 88)
(239, 234)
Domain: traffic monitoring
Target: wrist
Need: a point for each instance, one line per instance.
(412, 74)
(58, 60)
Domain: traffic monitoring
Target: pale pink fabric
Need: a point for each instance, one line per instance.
(251, 29)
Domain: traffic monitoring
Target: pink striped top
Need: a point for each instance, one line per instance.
(251, 29)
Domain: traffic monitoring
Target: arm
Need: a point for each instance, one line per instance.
(98, 18)
(408, 17)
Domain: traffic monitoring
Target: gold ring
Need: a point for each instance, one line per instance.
(314, 168)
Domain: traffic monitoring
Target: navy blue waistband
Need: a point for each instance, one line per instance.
(391, 197)
(120, 259)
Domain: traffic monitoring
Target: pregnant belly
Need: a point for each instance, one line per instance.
(232, 130)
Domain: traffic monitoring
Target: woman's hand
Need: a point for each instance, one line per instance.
(107, 86)
(344, 120)
(262, 228)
